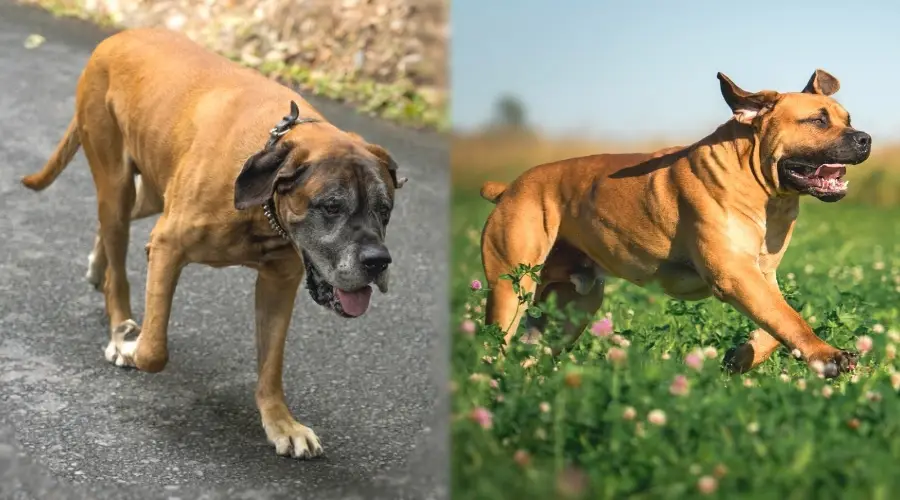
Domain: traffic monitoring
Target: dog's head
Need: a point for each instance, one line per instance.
(333, 195)
(804, 139)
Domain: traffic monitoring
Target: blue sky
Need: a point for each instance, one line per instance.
(647, 69)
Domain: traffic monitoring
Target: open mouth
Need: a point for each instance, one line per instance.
(346, 303)
(820, 180)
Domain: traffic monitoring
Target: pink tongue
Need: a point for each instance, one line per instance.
(355, 303)
(831, 171)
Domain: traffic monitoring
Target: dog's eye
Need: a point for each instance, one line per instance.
(331, 208)
(383, 214)
(820, 121)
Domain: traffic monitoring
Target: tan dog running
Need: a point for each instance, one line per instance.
(712, 218)
(302, 198)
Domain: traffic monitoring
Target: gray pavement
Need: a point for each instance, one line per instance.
(72, 425)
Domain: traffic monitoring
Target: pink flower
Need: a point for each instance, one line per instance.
(571, 482)
(694, 360)
(494, 384)
(748, 382)
(616, 355)
(468, 327)
(620, 340)
(827, 391)
(657, 417)
(475, 285)
(710, 352)
(890, 351)
(707, 485)
(602, 328)
(864, 344)
(483, 417)
(680, 386)
(817, 366)
(895, 381)
(629, 413)
(544, 407)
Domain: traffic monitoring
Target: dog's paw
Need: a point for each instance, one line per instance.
(738, 359)
(836, 363)
(121, 348)
(95, 274)
(291, 438)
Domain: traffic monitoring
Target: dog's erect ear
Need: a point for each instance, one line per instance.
(256, 182)
(746, 106)
(823, 83)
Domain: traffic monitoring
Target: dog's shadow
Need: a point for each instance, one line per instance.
(195, 411)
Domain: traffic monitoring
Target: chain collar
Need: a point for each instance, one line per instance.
(269, 211)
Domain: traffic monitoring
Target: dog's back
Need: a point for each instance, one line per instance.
(146, 96)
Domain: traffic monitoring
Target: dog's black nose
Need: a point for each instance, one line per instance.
(862, 140)
(375, 259)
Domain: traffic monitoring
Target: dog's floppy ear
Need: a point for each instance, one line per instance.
(257, 181)
(746, 106)
(822, 83)
(385, 158)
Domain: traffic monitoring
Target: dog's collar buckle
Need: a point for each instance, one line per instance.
(269, 211)
(287, 123)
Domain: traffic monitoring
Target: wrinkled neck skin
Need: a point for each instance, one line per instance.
(729, 164)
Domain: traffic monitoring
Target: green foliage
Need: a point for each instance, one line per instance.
(559, 427)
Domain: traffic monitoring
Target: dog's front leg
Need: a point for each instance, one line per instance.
(737, 280)
(275, 296)
(149, 350)
(759, 348)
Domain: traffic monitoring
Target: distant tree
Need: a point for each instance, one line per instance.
(509, 113)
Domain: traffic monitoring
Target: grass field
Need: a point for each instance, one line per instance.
(645, 412)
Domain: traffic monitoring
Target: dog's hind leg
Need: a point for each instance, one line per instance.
(515, 233)
(275, 295)
(115, 198)
(147, 203)
(575, 282)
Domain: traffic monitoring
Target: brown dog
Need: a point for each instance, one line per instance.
(713, 218)
(302, 198)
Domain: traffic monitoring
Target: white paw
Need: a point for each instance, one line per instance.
(95, 274)
(120, 351)
(294, 439)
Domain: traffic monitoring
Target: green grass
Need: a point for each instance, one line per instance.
(558, 428)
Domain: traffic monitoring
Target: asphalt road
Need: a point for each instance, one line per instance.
(70, 422)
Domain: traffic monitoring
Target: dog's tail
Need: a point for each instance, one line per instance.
(65, 151)
(491, 191)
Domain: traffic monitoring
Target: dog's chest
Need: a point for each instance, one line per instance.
(235, 245)
(778, 227)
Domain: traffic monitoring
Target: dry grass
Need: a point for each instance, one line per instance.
(387, 57)
(502, 156)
